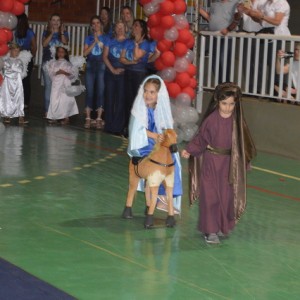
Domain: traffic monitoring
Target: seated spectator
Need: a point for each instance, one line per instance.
(290, 67)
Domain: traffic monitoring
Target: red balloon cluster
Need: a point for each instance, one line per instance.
(169, 27)
(14, 7)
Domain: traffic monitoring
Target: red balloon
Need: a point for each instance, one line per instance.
(3, 49)
(191, 42)
(166, 8)
(154, 20)
(191, 70)
(142, 2)
(167, 22)
(157, 33)
(3, 37)
(158, 64)
(184, 35)
(183, 79)
(193, 83)
(180, 49)
(190, 91)
(168, 58)
(18, 8)
(179, 7)
(23, 1)
(164, 45)
(9, 34)
(6, 5)
(173, 89)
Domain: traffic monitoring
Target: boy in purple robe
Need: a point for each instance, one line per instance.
(222, 148)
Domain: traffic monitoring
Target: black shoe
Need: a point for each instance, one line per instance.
(127, 213)
(148, 224)
(170, 221)
(146, 210)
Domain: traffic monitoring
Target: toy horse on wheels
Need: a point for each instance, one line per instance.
(157, 168)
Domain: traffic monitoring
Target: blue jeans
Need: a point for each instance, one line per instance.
(47, 89)
(94, 83)
(114, 102)
(133, 80)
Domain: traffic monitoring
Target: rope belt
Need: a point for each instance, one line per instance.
(218, 151)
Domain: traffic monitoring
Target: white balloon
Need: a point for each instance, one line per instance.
(180, 135)
(182, 115)
(181, 64)
(168, 74)
(181, 21)
(174, 111)
(193, 115)
(9, 21)
(188, 131)
(183, 99)
(171, 34)
(190, 55)
(151, 8)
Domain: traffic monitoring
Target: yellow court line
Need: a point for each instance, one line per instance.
(275, 173)
(190, 284)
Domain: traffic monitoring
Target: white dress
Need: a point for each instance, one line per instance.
(61, 105)
(11, 91)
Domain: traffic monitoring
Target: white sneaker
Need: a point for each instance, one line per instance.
(212, 238)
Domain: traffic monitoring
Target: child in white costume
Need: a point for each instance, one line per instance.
(62, 73)
(11, 91)
(147, 124)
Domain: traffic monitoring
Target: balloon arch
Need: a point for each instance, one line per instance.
(9, 9)
(170, 28)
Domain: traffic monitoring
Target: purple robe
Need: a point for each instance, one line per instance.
(216, 193)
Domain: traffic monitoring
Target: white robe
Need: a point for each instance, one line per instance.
(11, 92)
(61, 105)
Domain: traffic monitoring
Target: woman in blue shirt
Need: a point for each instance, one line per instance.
(94, 73)
(135, 56)
(54, 35)
(25, 38)
(105, 18)
(114, 81)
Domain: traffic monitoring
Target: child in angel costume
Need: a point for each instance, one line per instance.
(62, 73)
(221, 151)
(11, 90)
(150, 115)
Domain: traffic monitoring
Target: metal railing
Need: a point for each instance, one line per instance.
(248, 60)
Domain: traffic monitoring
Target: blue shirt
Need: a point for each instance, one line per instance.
(115, 49)
(55, 41)
(97, 51)
(129, 46)
(25, 42)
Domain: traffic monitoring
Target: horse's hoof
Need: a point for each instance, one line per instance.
(148, 224)
(127, 213)
(146, 210)
(170, 221)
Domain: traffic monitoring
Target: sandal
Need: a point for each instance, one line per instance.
(99, 123)
(87, 123)
(22, 121)
(65, 121)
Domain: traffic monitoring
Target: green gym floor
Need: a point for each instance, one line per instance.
(63, 189)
